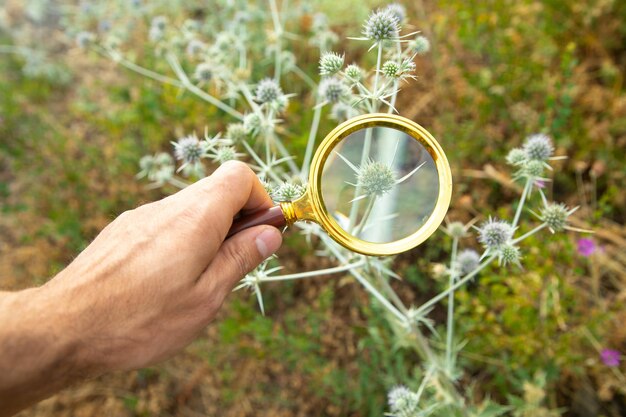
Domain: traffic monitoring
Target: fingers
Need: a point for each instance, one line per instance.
(237, 256)
(215, 200)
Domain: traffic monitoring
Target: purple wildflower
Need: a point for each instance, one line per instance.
(610, 357)
(586, 247)
(540, 184)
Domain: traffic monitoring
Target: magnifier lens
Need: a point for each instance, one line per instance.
(380, 184)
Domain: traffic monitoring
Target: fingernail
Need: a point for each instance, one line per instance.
(268, 241)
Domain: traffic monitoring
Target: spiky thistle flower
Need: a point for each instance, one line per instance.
(85, 39)
(252, 124)
(538, 147)
(157, 28)
(190, 150)
(391, 69)
(403, 402)
(268, 91)
(280, 105)
(195, 47)
(288, 191)
(225, 153)
(375, 178)
(342, 112)
(509, 254)
(466, 261)
(495, 233)
(532, 169)
(330, 63)
(158, 168)
(162, 175)
(381, 25)
(456, 230)
(353, 73)
(236, 132)
(516, 156)
(555, 215)
(204, 72)
(333, 90)
(398, 11)
(420, 45)
(159, 22)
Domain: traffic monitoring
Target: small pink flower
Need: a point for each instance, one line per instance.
(586, 247)
(610, 357)
(540, 183)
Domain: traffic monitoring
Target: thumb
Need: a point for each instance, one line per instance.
(241, 253)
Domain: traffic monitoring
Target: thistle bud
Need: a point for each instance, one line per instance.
(330, 63)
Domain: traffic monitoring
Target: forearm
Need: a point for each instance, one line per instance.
(39, 354)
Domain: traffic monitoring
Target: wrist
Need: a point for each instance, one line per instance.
(38, 355)
(62, 322)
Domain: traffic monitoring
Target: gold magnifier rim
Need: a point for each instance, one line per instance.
(311, 206)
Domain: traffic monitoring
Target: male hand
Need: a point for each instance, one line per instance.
(143, 289)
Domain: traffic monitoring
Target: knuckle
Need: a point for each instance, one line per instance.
(125, 216)
(235, 172)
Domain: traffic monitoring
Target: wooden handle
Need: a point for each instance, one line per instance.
(272, 216)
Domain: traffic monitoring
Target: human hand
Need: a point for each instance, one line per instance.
(157, 275)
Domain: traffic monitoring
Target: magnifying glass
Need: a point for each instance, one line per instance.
(379, 184)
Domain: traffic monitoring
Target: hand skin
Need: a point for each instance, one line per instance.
(148, 284)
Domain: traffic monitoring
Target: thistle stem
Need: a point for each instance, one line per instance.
(177, 183)
(532, 232)
(143, 71)
(391, 293)
(272, 135)
(285, 154)
(278, 30)
(366, 214)
(308, 154)
(458, 284)
(173, 61)
(376, 76)
(19, 50)
(309, 274)
(308, 80)
(362, 280)
(392, 102)
(354, 210)
(263, 165)
(450, 322)
(522, 200)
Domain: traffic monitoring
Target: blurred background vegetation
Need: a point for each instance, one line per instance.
(73, 127)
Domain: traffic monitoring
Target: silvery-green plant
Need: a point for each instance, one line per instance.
(236, 59)
(27, 24)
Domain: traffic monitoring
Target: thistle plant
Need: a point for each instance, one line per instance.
(27, 24)
(236, 59)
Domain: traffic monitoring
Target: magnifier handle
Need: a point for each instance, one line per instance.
(272, 216)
